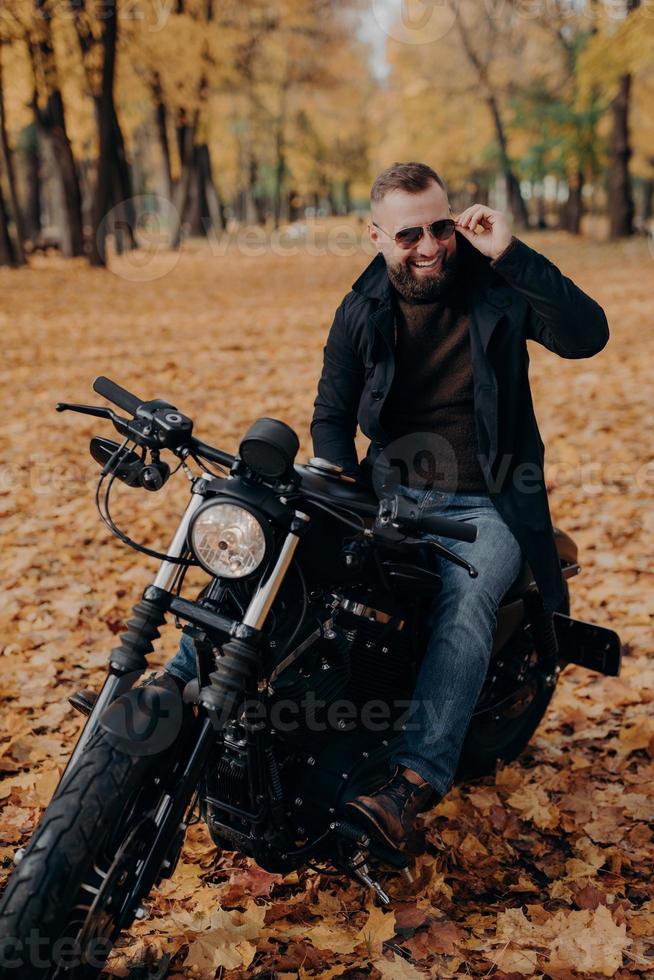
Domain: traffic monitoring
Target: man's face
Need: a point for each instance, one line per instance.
(421, 273)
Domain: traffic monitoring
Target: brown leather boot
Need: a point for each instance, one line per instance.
(390, 811)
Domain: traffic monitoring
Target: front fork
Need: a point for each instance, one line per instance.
(128, 661)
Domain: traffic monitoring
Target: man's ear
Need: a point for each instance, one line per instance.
(374, 236)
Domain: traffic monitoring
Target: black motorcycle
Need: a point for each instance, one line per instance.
(315, 609)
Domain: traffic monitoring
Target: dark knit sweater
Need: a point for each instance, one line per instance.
(432, 392)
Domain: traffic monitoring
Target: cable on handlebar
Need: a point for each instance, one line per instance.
(108, 521)
(357, 527)
(202, 463)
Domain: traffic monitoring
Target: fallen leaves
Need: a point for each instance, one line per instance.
(585, 941)
(221, 938)
(534, 804)
(565, 829)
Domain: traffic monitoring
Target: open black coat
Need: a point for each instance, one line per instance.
(521, 296)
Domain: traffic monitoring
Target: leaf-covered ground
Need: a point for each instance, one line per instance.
(545, 870)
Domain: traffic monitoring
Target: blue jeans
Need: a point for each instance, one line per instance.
(461, 627)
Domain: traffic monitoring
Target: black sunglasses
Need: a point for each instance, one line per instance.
(408, 237)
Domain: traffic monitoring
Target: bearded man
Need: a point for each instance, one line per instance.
(428, 354)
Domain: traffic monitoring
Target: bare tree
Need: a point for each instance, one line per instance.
(50, 118)
(491, 96)
(113, 187)
(8, 168)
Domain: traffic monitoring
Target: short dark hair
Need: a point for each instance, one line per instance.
(411, 177)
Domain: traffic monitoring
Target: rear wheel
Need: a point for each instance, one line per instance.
(74, 889)
(501, 735)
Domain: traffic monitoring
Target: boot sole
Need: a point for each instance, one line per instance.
(374, 825)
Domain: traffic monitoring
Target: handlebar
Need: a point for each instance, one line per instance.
(119, 396)
(446, 528)
(402, 512)
(154, 424)
(213, 455)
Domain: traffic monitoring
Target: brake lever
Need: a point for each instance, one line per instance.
(120, 424)
(452, 556)
(392, 533)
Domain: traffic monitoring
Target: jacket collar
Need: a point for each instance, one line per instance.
(373, 283)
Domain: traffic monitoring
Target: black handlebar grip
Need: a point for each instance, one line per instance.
(119, 396)
(460, 530)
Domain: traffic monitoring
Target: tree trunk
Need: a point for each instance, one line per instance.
(7, 254)
(106, 136)
(255, 209)
(31, 167)
(51, 122)
(116, 170)
(347, 197)
(516, 200)
(620, 203)
(471, 48)
(161, 119)
(648, 199)
(186, 144)
(574, 204)
(8, 166)
(280, 171)
(122, 178)
(215, 204)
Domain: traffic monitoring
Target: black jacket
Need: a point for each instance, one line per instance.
(521, 296)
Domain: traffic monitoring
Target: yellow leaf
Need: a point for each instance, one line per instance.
(398, 969)
(45, 785)
(591, 943)
(379, 927)
(533, 803)
(332, 938)
(517, 961)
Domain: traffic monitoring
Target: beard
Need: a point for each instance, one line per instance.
(427, 288)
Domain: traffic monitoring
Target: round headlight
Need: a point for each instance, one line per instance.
(227, 540)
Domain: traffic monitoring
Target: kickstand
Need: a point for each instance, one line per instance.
(362, 872)
(357, 866)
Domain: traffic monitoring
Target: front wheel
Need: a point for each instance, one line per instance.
(73, 890)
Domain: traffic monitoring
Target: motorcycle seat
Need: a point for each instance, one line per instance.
(521, 582)
(567, 550)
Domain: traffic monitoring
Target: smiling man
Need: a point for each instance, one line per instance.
(428, 354)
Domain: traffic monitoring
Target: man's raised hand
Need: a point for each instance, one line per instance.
(493, 234)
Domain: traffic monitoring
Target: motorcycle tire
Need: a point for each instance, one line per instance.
(490, 741)
(68, 898)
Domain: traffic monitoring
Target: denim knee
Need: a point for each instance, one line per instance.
(183, 664)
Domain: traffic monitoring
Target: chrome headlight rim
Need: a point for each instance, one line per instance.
(261, 519)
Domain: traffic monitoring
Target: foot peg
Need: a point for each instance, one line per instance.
(83, 701)
(397, 859)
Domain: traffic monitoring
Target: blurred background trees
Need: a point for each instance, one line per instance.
(213, 114)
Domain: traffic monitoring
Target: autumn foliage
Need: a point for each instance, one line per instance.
(215, 112)
(544, 870)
